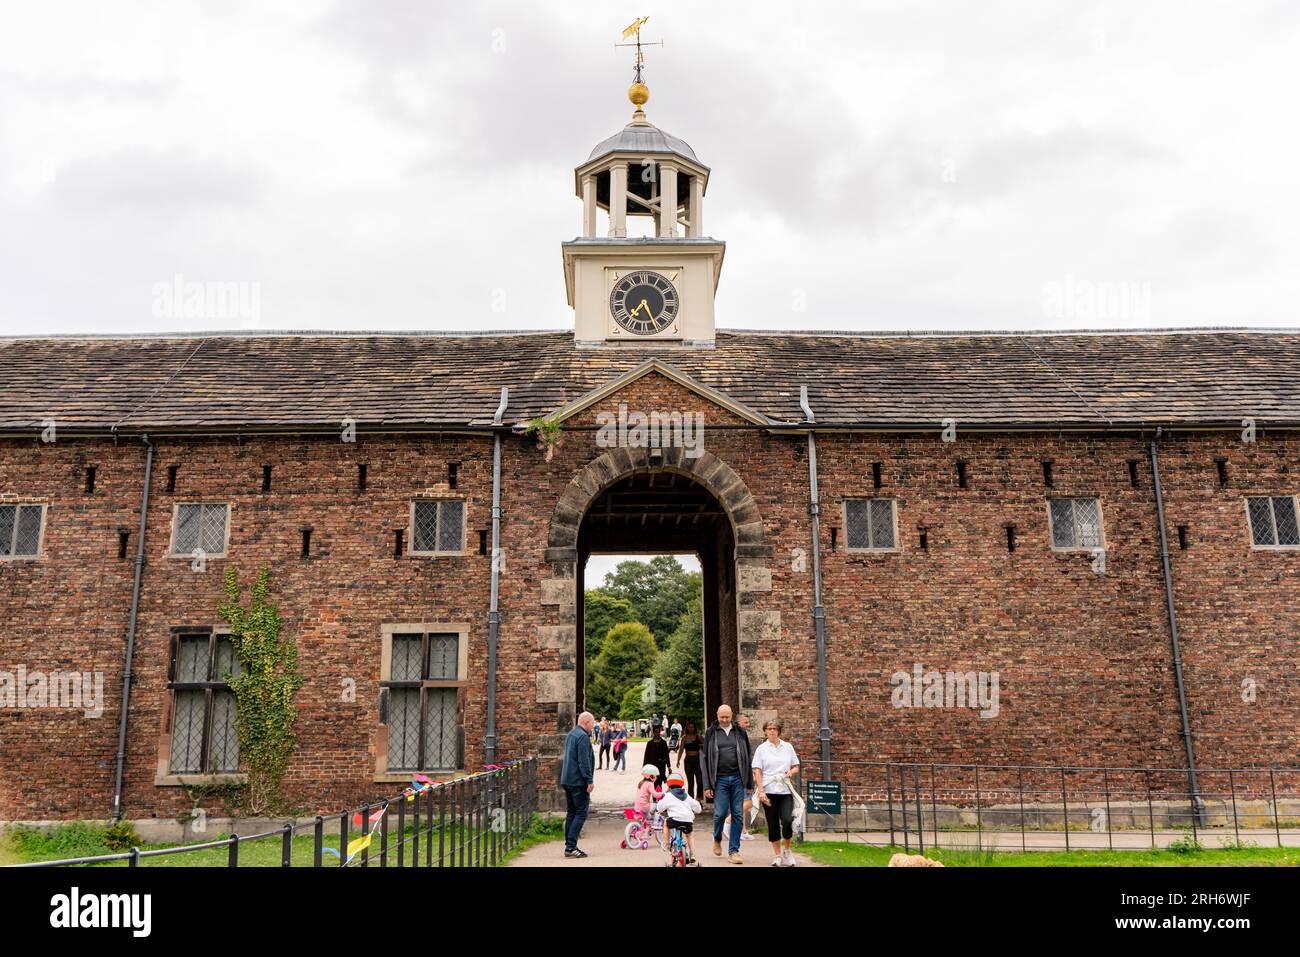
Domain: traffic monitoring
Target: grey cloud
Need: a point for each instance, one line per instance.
(1004, 164)
(148, 181)
(98, 86)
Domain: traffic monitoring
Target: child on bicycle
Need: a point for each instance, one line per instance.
(679, 808)
(646, 792)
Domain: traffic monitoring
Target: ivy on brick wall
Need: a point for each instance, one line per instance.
(264, 689)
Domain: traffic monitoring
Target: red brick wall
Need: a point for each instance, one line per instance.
(1084, 660)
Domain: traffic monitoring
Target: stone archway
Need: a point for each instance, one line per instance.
(758, 629)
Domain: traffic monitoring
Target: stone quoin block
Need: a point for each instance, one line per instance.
(558, 591)
(759, 625)
(759, 675)
(757, 718)
(750, 578)
(558, 637)
(555, 686)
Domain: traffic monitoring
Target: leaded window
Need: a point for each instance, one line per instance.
(423, 704)
(437, 526)
(20, 530)
(869, 523)
(204, 736)
(200, 527)
(1076, 522)
(1273, 521)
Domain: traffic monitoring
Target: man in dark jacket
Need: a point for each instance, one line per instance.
(577, 777)
(656, 753)
(725, 766)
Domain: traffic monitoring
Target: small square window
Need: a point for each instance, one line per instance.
(20, 530)
(1076, 523)
(437, 527)
(1272, 521)
(200, 527)
(870, 524)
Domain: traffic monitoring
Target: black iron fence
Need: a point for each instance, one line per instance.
(1038, 807)
(473, 821)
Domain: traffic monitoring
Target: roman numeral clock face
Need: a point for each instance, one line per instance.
(644, 303)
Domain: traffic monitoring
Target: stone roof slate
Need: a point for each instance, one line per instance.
(229, 381)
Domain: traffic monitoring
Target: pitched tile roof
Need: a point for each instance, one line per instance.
(319, 379)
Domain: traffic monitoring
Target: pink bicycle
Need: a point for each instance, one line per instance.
(640, 831)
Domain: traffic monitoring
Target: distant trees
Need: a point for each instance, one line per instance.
(679, 672)
(645, 621)
(632, 708)
(627, 657)
(658, 591)
(603, 611)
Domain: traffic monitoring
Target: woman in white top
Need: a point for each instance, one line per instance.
(776, 768)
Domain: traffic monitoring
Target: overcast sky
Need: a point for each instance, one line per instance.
(876, 166)
(598, 566)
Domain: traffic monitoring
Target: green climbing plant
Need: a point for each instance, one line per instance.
(547, 431)
(264, 689)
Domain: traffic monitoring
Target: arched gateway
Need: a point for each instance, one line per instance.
(641, 500)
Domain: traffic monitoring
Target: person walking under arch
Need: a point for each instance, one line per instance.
(746, 816)
(620, 749)
(725, 762)
(656, 753)
(688, 759)
(606, 738)
(776, 768)
(577, 776)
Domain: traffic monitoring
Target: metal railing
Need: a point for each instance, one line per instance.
(1057, 807)
(473, 821)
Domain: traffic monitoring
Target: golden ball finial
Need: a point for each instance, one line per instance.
(639, 94)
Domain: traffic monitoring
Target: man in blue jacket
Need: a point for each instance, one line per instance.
(578, 779)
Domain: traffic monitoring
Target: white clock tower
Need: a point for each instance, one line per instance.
(654, 290)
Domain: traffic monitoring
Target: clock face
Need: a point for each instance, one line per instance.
(644, 302)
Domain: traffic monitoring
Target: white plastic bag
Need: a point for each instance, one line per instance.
(799, 815)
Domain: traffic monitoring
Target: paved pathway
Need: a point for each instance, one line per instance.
(615, 789)
(604, 830)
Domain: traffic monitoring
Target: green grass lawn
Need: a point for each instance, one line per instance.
(19, 845)
(842, 854)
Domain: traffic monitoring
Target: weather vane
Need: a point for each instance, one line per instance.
(638, 93)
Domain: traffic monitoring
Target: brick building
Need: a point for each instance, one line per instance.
(985, 503)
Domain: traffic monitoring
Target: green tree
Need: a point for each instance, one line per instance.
(264, 688)
(658, 590)
(626, 659)
(632, 708)
(602, 612)
(679, 673)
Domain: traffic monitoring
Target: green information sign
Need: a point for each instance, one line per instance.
(823, 797)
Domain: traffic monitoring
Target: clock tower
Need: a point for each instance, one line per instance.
(652, 290)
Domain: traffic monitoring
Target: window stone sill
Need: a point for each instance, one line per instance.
(189, 780)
